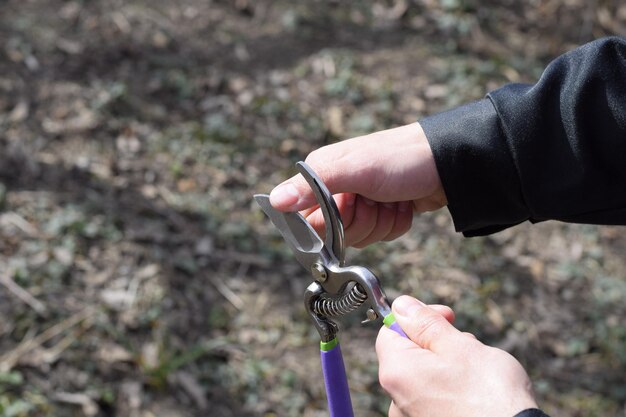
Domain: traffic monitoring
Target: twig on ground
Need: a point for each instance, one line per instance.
(9, 359)
(23, 295)
(227, 293)
(88, 405)
(18, 221)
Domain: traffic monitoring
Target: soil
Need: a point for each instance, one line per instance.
(140, 279)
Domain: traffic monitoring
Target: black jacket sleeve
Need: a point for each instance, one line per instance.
(555, 150)
(531, 412)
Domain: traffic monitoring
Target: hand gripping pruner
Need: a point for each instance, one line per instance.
(336, 290)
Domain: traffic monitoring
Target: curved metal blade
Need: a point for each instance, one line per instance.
(334, 239)
(297, 232)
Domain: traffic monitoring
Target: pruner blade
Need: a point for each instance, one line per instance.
(334, 239)
(300, 236)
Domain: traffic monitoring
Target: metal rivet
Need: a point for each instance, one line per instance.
(371, 314)
(319, 272)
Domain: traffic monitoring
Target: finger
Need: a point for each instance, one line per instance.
(345, 204)
(338, 172)
(364, 221)
(308, 211)
(389, 344)
(402, 224)
(384, 224)
(316, 220)
(425, 326)
(292, 195)
(445, 311)
(470, 335)
(400, 360)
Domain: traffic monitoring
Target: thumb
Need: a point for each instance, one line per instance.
(335, 170)
(295, 194)
(425, 326)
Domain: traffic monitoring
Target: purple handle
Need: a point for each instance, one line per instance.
(396, 328)
(336, 381)
(390, 322)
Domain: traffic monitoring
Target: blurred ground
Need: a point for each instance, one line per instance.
(138, 279)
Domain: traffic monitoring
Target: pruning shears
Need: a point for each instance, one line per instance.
(337, 289)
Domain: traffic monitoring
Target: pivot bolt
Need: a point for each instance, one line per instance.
(319, 272)
(371, 315)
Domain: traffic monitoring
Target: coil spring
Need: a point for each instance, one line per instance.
(344, 304)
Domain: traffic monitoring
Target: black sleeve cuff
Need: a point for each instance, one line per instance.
(532, 412)
(476, 169)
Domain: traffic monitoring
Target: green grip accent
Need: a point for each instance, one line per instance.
(389, 320)
(326, 346)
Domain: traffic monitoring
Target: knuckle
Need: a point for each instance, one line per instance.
(319, 158)
(322, 162)
(315, 156)
(428, 328)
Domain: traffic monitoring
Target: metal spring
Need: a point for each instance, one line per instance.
(344, 304)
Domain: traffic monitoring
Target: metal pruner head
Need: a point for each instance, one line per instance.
(337, 289)
(308, 248)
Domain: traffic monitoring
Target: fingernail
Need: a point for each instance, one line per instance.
(389, 206)
(351, 199)
(407, 306)
(403, 206)
(284, 196)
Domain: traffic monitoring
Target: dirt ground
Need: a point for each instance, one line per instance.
(139, 279)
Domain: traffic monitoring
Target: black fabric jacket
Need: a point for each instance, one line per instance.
(555, 150)
(531, 412)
